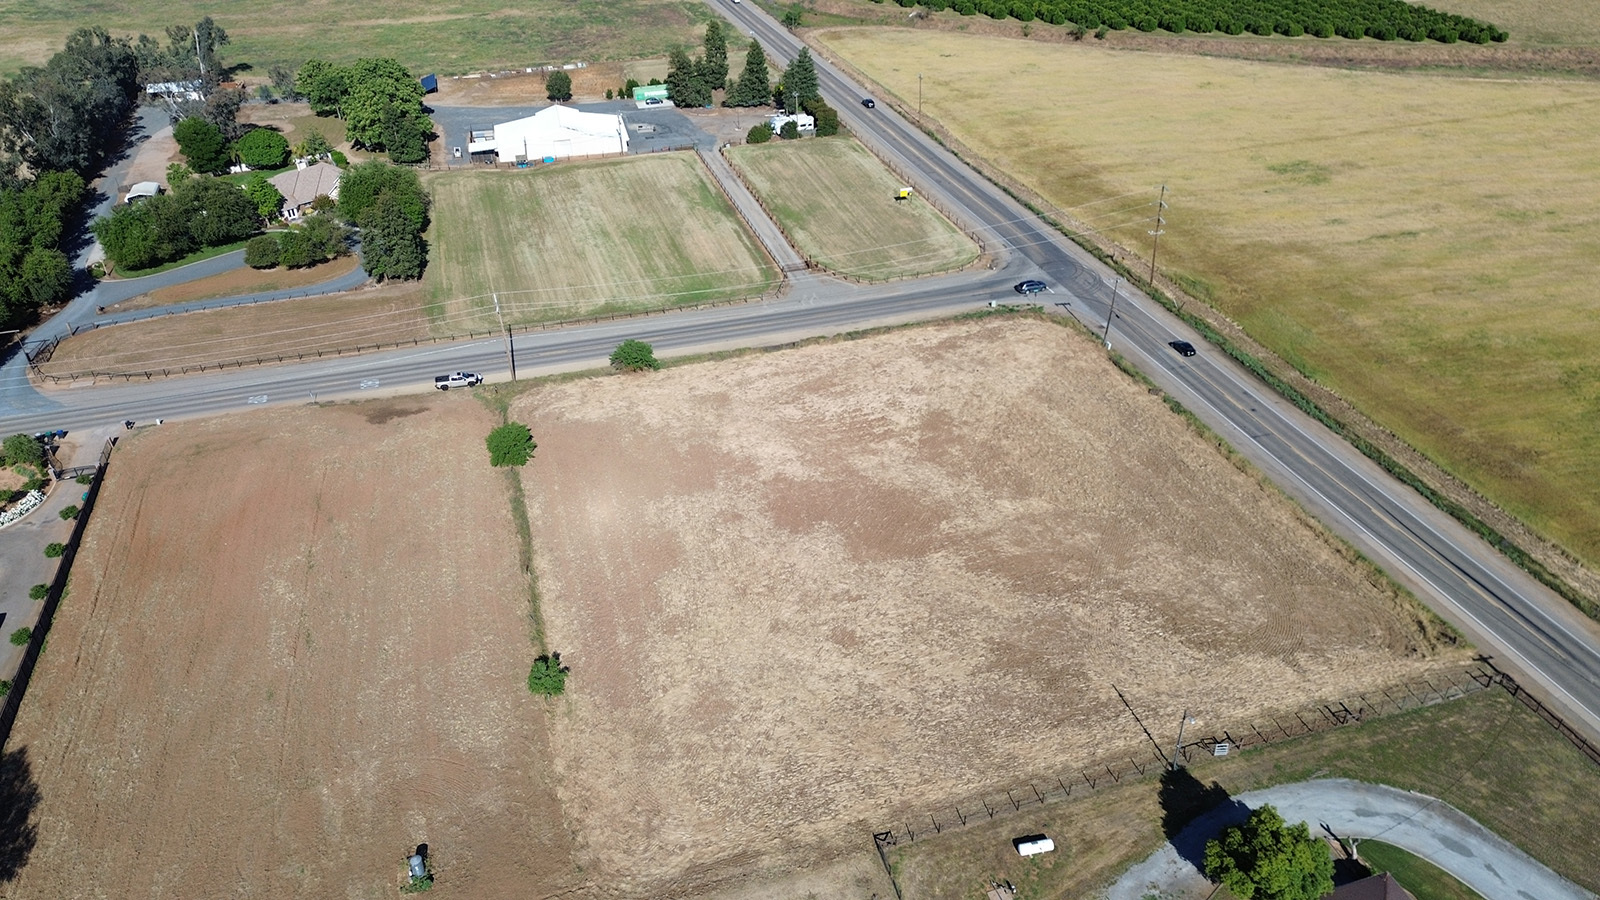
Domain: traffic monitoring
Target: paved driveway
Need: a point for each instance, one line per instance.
(1422, 825)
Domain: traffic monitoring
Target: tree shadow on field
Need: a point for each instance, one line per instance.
(19, 796)
(1185, 801)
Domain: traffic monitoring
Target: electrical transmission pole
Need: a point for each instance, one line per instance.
(1155, 235)
(511, 358)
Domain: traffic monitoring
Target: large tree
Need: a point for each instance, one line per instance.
(263, 148)
(684, 84)
(267, 198)
(558, 86)
(800, 80)
(67, 114)
(34, 272)
(361, 185)
(323, 84)
(1266, 859)
(392, 248)
(714, 62)
(376, 84)
(218, 211)
(754, 87)
(202, 145)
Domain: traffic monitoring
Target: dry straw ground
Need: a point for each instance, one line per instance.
(1415, 242)
(838, 203)
(580, 238)
(293, 650)
(802, 593)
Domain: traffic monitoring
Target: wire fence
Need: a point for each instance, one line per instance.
(1256, 733)
(42, 352)
(52, 599)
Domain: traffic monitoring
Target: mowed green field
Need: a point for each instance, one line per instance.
(583, 238)
(837, 203)
(1425, 245)
(465, 36)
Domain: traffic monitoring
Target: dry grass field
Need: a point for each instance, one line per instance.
(836, 201)
(468, 36)
(338, 321)
(240, 281)
(804, 592)
(582, 238)
(1415, 242)
(286, 659)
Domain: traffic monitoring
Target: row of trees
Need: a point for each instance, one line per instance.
(390, 207)
(34, 272)
(690, 82)
(1382, 19)
(199, 212)
(208, 151)
(318, 239)
(379, 101)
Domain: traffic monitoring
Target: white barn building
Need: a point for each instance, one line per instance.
(554, 132)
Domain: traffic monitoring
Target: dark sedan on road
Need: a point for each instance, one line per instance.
(1031, 286)
(1184, 348)
(868, 102)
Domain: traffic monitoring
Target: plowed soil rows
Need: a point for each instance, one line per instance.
(804, 593)
(294, 648)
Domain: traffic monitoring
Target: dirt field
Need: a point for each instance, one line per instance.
(804, 592)
(374, 314)
(590, 237)
(241, 281)
(1386, 234)
(838, 204)
(286, 660)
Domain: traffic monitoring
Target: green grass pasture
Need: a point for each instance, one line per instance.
(578, 239)
(1485, 754)
(464, 36)
(1422, 244)
(837, 203)
(1423, 879)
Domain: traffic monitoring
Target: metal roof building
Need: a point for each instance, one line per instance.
(555, 132)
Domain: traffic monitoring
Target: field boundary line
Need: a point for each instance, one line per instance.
(1260, 731)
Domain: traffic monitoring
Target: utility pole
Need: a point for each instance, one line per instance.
(1178, 749)
(1106, 335)
(1155, 236)
(511, 358)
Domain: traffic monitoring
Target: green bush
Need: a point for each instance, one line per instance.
(263, 148)
(21, 637)
(759, 134)
(548, 677)
(55, 550)
(5, 688)
(634, 356)
(38, 592)
(263, 252)
(70, 513)
(86, 478)
(339, 159)
(511, 444)
(789, 131)
(20, 448)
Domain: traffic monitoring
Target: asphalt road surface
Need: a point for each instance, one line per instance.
(1523, 626)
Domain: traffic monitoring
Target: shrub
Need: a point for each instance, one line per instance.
(789, 131)
(759, 134)
(5, 688)
(263, 252)
(511, 444)
(39, 592)
(21, 637)
(558, 86)
(548, 677)
(608, 93)
(69, 513)
(634, 356)
(55, 550)
(20, 448)
(339, 159)
(86, 478)
(294, 250)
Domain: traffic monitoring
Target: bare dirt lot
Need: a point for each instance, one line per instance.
(290, 653)
(802, 593)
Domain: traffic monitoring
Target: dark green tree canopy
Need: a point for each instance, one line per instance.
(511, 444)
(558, 86)
(263, 252)
(263, 148)
(1265, 859)
(714, 61)
(800, 79)
(684, 85)
(754, 87)
(360, 186)
(323, 84)
(67, 114)
(268, 200)
(34, 272)
(392, 248)
(202, 144)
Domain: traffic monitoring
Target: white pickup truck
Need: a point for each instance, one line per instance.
(457, 379)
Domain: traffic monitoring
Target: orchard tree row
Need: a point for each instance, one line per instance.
(1385, 20)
